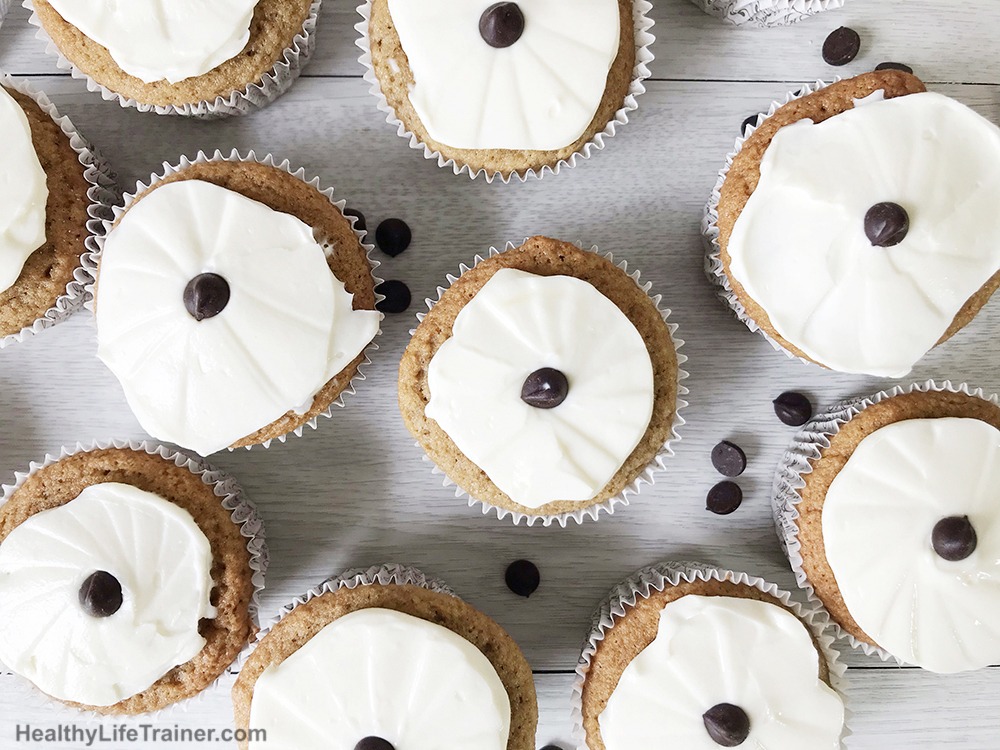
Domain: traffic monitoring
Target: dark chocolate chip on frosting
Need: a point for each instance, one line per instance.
(894, 66)
(727, 725)
(393, 236)
(841, 46)
(724, 498)
(886, 224)
(374, 743)
(954, 538)
(501, 24)
(545, 388)
(729, 459)
(206, 295)
(793, 408)
(101, 594)
(522, 577)
(397, 297)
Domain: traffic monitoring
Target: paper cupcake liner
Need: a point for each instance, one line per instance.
(250, 98)
(103, 194)
(642, 584)
(765, 12)
(646, 476)
(710, 226)
(242, 512)
(808, 446)
(643, 57)
(92, 260)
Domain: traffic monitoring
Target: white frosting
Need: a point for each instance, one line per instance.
(23, 192)
(160, 557)
(288, 329)
(156, 40)
(381, 673)
(519, 323)
(540, 93)
(878, 516)
(712, 650)
(799, 247)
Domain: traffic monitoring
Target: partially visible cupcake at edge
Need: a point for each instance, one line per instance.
(856, 226)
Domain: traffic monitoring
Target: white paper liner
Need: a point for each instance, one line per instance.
(242, 512)
(808, 446)
(92, 260)
(643, 57)
(762, 13)
(102, 193)
(644, 582)
(646, 476)
(250, 98)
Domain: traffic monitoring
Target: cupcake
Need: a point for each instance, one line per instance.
(693, 658)
(234, 302)
(834, 227)
(55, 189)
(888, 508)
(765, 12)
(544, 382)
(226, 57)
(506, 89)
(382, 659)
(128, 576)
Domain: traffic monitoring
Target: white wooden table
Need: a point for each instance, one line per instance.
(357, 492)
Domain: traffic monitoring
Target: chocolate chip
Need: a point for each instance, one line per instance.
(729, 459)
(360, 223)
(374, 743)
(206, 295)
(886, 224)
(545, 388)
(101, 594)
(393, 236)
(397, 297)
(954, 538)
(793, 408)
(501, 24)
(894, 66)
(552, 747)
(841, 46)
(724, 498)
(522, 577)
(727, 725)
(751, 121)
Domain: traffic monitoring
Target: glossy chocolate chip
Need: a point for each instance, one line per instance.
(522, 577)
(793, 408)
(551, 747)
(724, 498)
(842, 46)
(727, 725)
(101, 594)
(206, 295)
(954, 538)
(393, 236)
(729, 459)
(545, 388)
(397, 297)
(751, 121)
(894, 66)
(501, 24)
(886, 224)
(360, 223)
(374, 743)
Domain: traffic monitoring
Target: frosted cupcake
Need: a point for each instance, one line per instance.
(128, 577)
(544, 382)
(889, 508)
(382, 659)
(853, 226)
(234, 303)
(505, 89)
(209, 59)
(765, 12)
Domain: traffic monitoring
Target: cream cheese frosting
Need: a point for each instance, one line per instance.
(540, 93)
(711, 650)
(800, 250)
(23, 192)
(157, 553)
(878, 518)
(381, 673)
(517, 324)
(156, 40)
(287, 329)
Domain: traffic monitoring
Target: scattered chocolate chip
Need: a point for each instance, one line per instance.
(729, 459)
(886, 224)
(397, 297)
(522, 577)
(206, 295)
(841, 46)
(894, 66)
(545, 388)
(101, 594)
(793, 408)
(360, 223)
(552, 747)
(954, 538)
(374, 743)
(724, 498)
(501, 24)
(393, 236)
(751, 121)
(727, 725)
